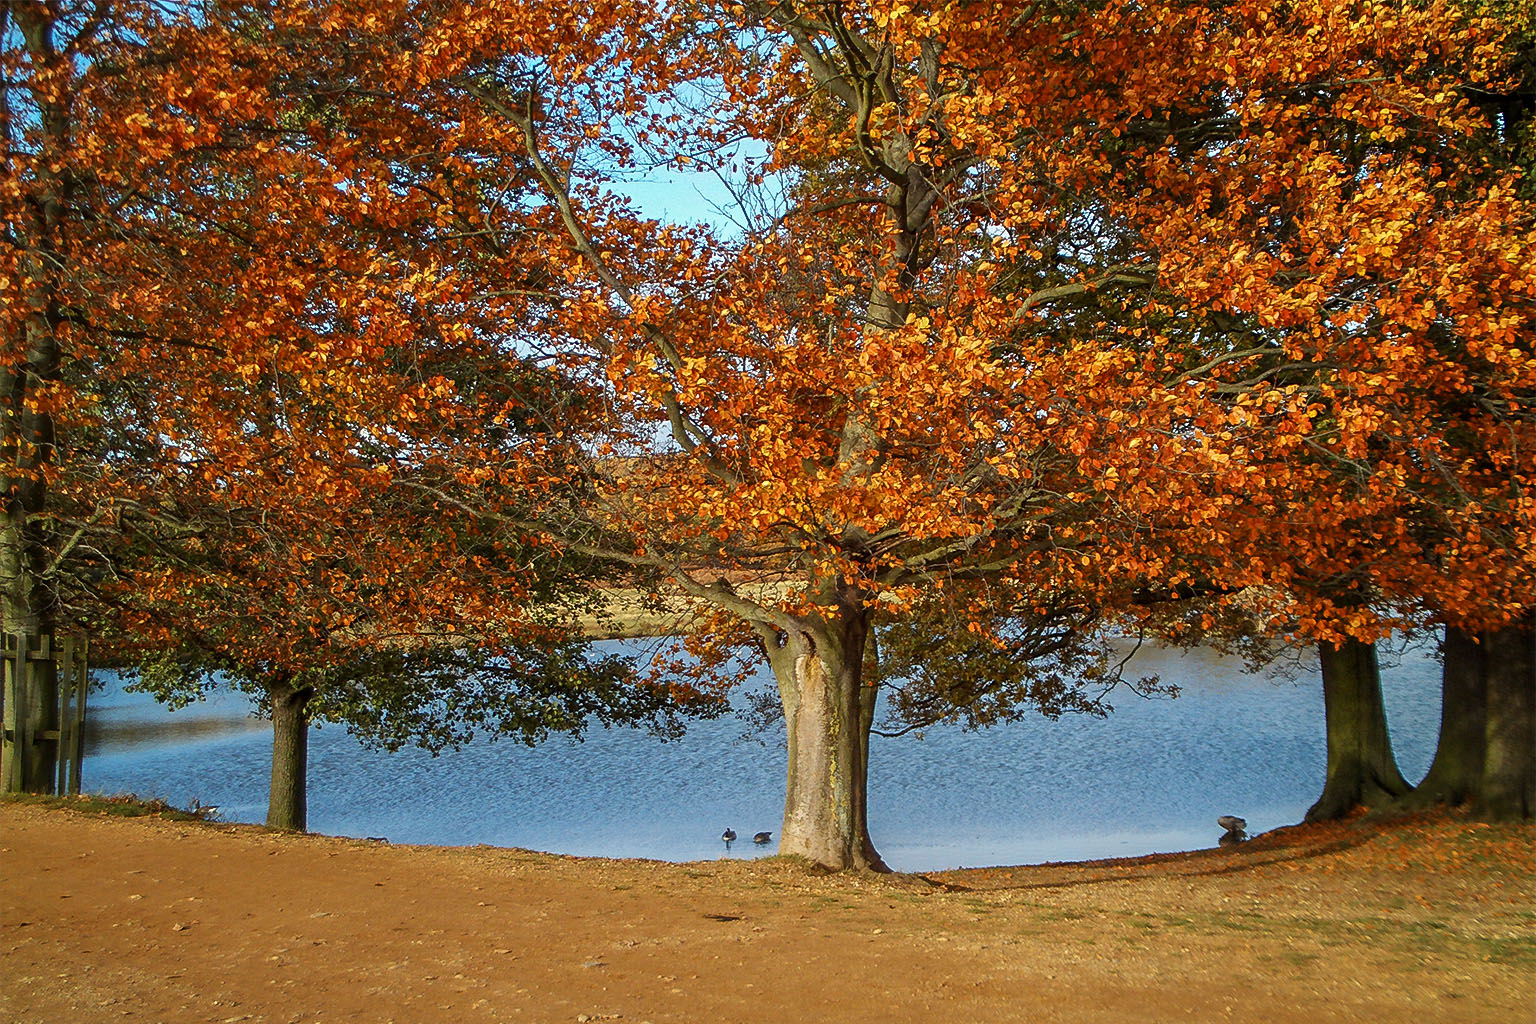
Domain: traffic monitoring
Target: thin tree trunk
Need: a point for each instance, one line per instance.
(1509, 768)
(287, 806)
(1361, 769)
(1456, 774)
(869, 696)
(828, 712)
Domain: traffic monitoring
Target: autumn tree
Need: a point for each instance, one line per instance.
(318, 613)
(1462, 772)
(269, 340)
(1346, 268)
(38, 58)
(1419, 384)
(304, 623)
(83, 258)
(853, 405)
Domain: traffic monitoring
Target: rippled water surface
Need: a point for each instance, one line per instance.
(1151, 777)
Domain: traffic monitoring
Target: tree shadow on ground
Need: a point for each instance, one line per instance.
(1283, 845)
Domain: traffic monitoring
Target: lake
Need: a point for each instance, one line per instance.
(1152, 777)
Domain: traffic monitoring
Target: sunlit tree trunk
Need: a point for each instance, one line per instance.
(828, 711)
(1361, 769)
(1509, 767)
(286, 801)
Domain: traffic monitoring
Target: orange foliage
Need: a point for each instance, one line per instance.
(1063, 298)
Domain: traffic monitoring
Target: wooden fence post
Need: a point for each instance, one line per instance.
(35, 670)
(82, 687)
(25, 695)
(66, 675)
(13, 718)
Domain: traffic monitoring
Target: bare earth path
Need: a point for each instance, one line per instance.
(108, 919)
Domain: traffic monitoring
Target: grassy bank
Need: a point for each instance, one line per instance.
(124, 806)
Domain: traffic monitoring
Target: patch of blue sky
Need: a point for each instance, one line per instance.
(680, 197)
(722, 198)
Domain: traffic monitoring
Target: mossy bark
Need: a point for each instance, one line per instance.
(828, 712)
(1361, 768)
(1509, 766)
(1456, 775)
(287, 802)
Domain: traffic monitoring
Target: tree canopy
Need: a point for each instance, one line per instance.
(1038, 316)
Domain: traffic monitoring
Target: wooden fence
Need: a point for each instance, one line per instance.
(44, 740)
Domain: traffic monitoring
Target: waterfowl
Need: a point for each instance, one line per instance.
(762, 837)
(729, 835)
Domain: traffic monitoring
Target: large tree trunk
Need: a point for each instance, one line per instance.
(1361, 769)
(286, 801)
(1509, 767)
(27, 426)
(819, 666)
(1456, 774)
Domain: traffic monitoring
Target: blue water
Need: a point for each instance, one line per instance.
(1152, 777)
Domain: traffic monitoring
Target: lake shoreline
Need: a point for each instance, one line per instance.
(1153, 776)
(186, 920)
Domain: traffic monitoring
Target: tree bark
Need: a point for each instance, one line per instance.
(1509, 766)
(27, 440)
(1361, 769)
(1456, 774)
(287, 806)
(828, 711)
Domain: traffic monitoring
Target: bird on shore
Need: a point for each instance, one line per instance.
(729, 835)
(762, 837)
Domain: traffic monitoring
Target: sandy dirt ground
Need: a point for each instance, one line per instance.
(148, 919)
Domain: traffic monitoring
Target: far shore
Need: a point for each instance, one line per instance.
(624, 615)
